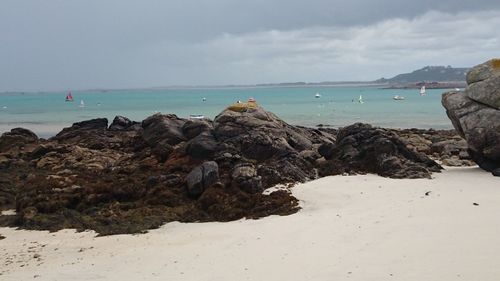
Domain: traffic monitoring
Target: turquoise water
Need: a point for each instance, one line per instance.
(46, 113)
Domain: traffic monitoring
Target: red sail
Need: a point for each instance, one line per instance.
(69, 97)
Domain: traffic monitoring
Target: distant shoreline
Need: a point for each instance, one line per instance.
(412, 85)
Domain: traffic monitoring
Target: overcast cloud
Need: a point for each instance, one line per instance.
(72, 44)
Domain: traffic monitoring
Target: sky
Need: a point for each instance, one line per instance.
(88, 44)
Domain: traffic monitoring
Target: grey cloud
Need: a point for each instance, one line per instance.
(126, 43)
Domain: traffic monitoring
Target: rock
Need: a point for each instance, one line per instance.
(486, 92)
(80, 127)
(449, 147)
(121, 123)
(361, 148)
(17, 137)
(245, 178)
(475, 113)
(128, 179)
(452, 161)
(326, 149)
(483, 71)
(162, 133)
(496, 172)
(259, 134)
(163, 129)
(193, 128)
(202, 146)
(90, 133)
(202, 177)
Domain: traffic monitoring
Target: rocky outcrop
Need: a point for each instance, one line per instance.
(475, 114)
(130, 176)
(361, 148)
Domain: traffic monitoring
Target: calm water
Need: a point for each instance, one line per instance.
(46, 113)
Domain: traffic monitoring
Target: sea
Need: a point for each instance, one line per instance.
(46, 113)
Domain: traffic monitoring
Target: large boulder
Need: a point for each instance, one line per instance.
(162, 133)
(475, 114)
(202, 146)
(259, 134)
(202, 177)
(262, 137)
(163, 128)
(17, 137)
(361, 148)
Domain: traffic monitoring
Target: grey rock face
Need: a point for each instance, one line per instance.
(483, 71)
(202, 177)
(486, 92)
(475, 113)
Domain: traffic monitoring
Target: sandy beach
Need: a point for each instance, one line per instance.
(350, 228)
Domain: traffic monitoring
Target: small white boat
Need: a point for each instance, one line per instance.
(360, 99)
(457, 89)
(82, 104)
(317, 95)
(251, 99)
(204, 99)
(422, 91)
(398, 97)
(196, 116)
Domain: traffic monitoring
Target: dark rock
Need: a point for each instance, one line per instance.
(121, 123)
(91, 134)
(259, 134)
(79, 127)
(326, 150)
(162, 133)
(449, 147)
(496, 172)
(202, 146)
(126, 179)
(17, 137)
(163, 129)
(193, 128)
(361, 148)
(202, 177)
(245, 178)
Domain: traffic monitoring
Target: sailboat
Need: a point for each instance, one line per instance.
(69, 97)
(422, 91)
(360, 100)
(82, 104)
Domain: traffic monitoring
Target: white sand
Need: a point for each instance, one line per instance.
(351, 228)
